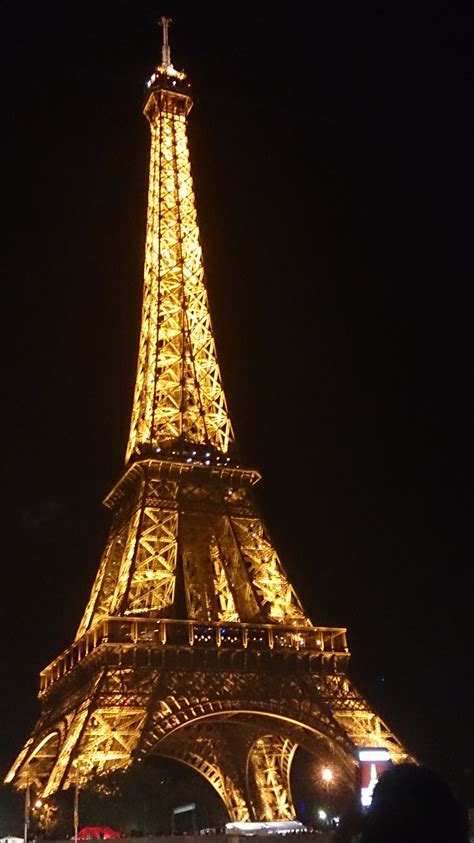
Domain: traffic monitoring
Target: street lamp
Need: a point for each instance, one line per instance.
(327, 776)
(26, 824)
(75, 764)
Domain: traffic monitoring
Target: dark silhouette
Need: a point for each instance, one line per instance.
(351, 819)
(414, 805)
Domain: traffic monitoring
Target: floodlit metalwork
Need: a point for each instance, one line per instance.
(204, 517)
(178, 393)
(193, 644)
(269, 763)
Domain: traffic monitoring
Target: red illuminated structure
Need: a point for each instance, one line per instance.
(96, 832)
(373, 762)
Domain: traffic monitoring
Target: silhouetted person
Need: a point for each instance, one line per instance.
(350, 823)
(414, 805)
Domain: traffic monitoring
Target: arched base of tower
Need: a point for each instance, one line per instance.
(248, 760)
(248, 767)
(239, 729)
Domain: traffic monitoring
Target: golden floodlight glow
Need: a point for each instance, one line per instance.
(178, 391)
(194, 644)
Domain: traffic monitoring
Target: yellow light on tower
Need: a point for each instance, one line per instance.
(178, 390)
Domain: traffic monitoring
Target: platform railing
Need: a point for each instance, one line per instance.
(148, 633)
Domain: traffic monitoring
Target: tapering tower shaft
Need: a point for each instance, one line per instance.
(178, 392)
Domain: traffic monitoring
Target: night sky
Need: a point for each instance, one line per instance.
(332, 166)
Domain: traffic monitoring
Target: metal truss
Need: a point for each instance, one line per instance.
(360, 723)
(208, 749)
(230, 570)
(269, 763)
(221, 753)
(268, 578)
(238, 728)
(178, 393)
(234, 686)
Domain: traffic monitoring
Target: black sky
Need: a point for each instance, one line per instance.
(332, 165)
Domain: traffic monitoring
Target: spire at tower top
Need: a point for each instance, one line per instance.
(165, 49)
(165, 71)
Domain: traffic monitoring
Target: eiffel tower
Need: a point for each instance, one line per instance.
(194, 644)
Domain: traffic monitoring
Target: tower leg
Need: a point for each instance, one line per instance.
(208, 750)
(221, 752)
(268, 777)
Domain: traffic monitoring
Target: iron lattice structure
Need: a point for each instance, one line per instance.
(193, 644)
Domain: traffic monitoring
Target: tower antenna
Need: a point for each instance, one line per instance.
(165, 50)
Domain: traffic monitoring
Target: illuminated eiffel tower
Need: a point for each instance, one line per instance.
(193, 644)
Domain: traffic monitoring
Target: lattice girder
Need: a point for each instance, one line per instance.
(244, 678)
(201, 695)
(268, 777)
(204, 521)
(361, 724)
(266, 571)
(178, 391)
(221, 751)
(41, 756)
(207, 749)
(124, 714)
